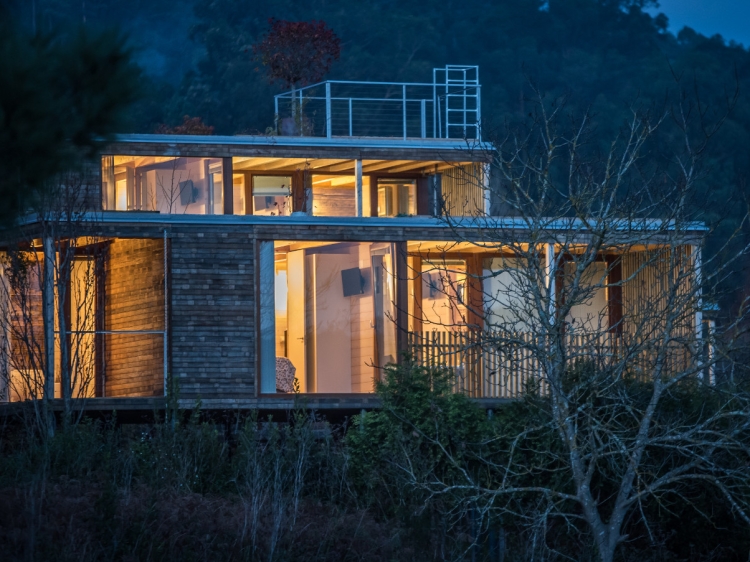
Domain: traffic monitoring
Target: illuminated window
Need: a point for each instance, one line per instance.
(272, 195)
(332, 318)
(238, 194)
(397, 197)
(167, 184)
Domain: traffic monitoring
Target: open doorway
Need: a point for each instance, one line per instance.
(335, 313)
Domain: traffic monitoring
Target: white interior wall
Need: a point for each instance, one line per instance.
(590, 315)
(332, 321)
(507, 301)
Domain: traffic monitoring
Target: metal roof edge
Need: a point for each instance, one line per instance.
(312, 142)
(481, 223)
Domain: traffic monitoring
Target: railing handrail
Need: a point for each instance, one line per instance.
(454, 98)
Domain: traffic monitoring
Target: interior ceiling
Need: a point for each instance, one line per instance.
(417, 246)
(413, 246)
(329, 165)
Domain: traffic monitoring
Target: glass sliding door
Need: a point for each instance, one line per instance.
(384, 305)
(335, 314)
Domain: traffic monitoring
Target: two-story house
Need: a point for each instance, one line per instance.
(245, 267)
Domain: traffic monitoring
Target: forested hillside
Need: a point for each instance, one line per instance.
(604, 55)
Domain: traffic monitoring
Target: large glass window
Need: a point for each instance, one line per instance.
(108, 322)
(166, 184)
(335, 315)
(397, 197)
(443, 305)
(238, 194)
(506, 295)
(272, 195)
(591, 313)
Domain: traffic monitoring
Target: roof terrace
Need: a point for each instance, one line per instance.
(447, 108)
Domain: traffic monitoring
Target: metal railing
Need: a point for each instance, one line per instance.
(449, 107)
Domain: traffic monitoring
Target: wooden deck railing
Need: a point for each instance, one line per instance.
(495, 365)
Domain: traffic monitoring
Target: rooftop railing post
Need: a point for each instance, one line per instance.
(328, 110)
(299, 114)
(465, 99)
(350, 117)
(403, 103)
(424, 118)
(276, 114)
(435, 112)
(479, 110)
(447, 106)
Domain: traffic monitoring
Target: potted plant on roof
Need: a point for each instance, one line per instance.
(296, 54)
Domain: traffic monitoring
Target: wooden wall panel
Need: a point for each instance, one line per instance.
(213, 313)
(134, 300)
(334, 202)
(462, 191)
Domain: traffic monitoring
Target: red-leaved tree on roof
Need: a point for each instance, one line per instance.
(297, 53)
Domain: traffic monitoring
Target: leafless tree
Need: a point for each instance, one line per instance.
(179, 188)
(49, 296)
(593, 299)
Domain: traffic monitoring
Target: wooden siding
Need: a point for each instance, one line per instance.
(213, 313)
(462, 191)
(134, 289)
(333, 202)
(649, 278)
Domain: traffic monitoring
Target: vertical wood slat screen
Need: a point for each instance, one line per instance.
(484, 368)
(462, 190)
(657, 287)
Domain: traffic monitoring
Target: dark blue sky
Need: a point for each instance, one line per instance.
(730, 18)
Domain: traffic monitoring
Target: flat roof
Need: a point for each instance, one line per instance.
(420, 222)
(322, 142)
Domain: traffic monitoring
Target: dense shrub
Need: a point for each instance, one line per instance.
(303, 489)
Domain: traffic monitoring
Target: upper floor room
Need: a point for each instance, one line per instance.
(337, 149)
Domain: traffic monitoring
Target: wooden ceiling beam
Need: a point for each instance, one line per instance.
(412, 166)
(250, 163)
(369, 168)
(330, 163)
(345, 166)
(293, 163)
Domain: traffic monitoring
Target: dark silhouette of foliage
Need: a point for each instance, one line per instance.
(297, 53)
(189, 126)
(63, 96)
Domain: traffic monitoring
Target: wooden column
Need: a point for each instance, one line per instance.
(99, 325)
(550, 278)
(614, 293)
(358, 187)
(417, 275)
(373, 196)
(423, 196)
(48, 315)
(402, 296)
(474, 292)
(228, 184)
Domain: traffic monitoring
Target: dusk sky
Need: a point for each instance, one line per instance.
(730, 18)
